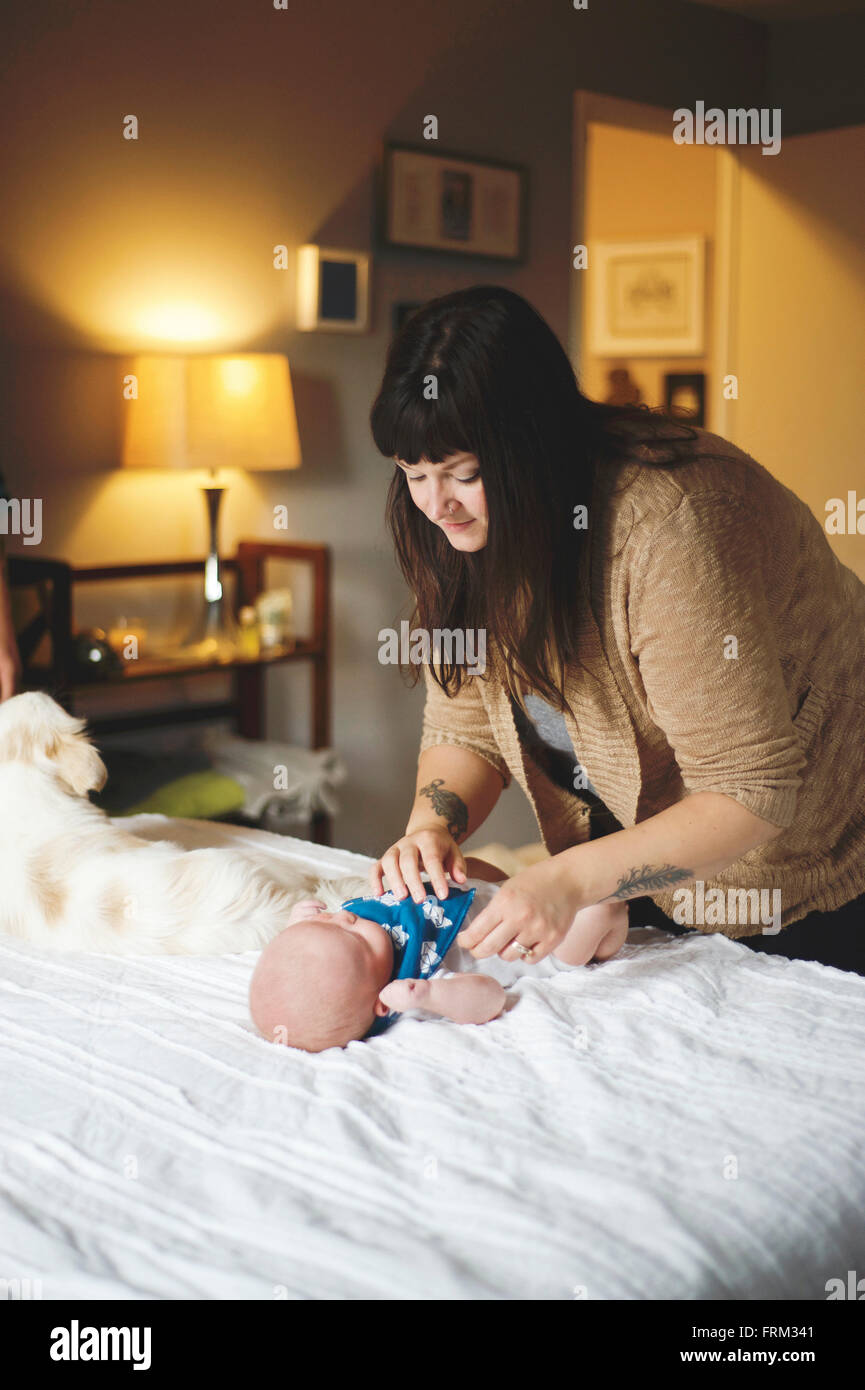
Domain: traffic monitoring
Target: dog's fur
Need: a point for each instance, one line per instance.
(70, 880)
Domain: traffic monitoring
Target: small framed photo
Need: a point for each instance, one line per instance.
(686, 392)
(432, 200)
(332, 290)
(646, 298)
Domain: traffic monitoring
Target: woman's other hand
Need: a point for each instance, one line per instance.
(10, 670)
(10, 661)
(535, 908)
(430, 847)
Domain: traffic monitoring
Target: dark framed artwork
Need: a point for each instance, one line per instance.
(404, 311)
(686, 391)
(435, 200)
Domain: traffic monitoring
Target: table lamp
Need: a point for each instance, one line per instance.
(212, 412)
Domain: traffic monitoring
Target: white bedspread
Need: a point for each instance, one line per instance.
(684, 1122)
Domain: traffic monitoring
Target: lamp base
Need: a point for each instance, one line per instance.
(214, 636)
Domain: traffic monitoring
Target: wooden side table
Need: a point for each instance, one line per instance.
(57, 581)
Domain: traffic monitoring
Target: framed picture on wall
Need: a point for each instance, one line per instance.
(686, 392)
(435, 201)
(646, 298)
(403, 311)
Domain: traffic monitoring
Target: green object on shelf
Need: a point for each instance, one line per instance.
(197, 796)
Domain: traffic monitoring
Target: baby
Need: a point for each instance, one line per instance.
(331, 977)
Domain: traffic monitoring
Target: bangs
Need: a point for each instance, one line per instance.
(416, 429)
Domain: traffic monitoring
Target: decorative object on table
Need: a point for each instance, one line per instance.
(92, 655)
(283, 784)
(212, 412)
(402, 312)
(441, 201)
(647, 298)
(622, 390)
(248, 633)
(275, 609)
(332, 289)
(686, 392)
(127, 637)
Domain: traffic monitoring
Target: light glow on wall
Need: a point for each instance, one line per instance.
(178, 323)
(133, 273)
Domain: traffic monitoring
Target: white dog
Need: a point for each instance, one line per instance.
(70, 880)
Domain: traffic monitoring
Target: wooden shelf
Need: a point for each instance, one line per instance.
(145, 668)
(56, 580)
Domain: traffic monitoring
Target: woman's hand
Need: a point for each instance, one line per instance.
(10, 668)
(535, 908)
(10, 661)
(430, 847)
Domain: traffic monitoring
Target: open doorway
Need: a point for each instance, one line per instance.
(784, 292)
(634, 187)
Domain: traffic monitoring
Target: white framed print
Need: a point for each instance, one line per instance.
(438, 200)
(332, 289)
(646, 298)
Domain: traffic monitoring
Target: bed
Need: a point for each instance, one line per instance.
(683, 1122)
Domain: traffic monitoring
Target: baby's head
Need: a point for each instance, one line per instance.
(316, 985)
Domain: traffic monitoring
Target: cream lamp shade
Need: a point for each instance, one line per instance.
(211, 412)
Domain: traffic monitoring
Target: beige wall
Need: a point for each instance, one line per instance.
(639, 184)
(799, 315)
(795, 315)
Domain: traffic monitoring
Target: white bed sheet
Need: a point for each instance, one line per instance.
(582, 1146)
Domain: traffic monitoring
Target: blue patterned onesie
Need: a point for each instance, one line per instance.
(422, 934)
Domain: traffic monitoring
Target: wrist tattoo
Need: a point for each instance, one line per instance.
(449, 805)
(647, 880)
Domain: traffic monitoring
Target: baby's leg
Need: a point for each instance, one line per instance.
(481, 868)
(461, 998)
(597, 933)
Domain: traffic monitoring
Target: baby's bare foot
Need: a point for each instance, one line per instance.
(597, 933)
(400, 995)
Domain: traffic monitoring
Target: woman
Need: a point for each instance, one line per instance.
(655, 598)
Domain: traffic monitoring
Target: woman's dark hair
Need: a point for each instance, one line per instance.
(505, 392)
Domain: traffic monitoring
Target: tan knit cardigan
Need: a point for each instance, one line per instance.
(681, 561)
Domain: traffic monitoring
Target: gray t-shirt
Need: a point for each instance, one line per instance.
(549, 725)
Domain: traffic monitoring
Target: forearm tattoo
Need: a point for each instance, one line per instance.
(648, 880)
(449, 805)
